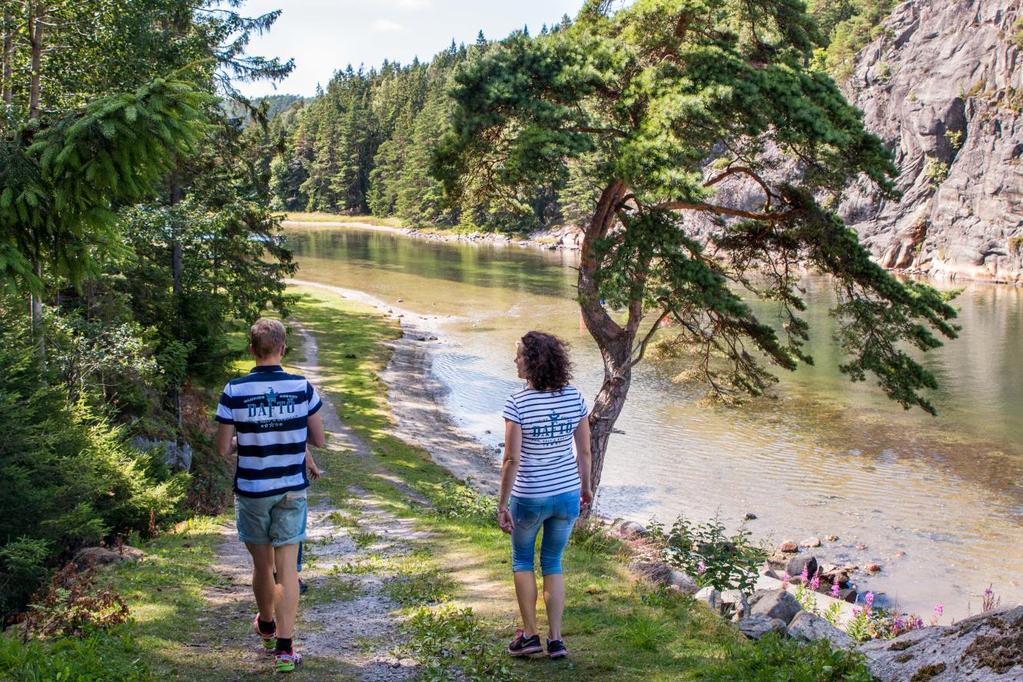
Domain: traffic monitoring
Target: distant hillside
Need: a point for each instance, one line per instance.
(275, 105)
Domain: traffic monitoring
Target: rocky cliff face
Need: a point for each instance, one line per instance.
(943, 87)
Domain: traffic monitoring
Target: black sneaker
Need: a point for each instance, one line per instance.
(556, 648)
(524, 646)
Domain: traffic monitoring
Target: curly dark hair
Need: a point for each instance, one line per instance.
(546, 358)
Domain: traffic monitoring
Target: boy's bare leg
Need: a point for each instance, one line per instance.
(263, 585)
(286, 558)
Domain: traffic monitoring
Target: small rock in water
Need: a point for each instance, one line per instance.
(811, 542)
(831, 538)
(861, 547)
(849, 594)
(799, 564)
(750, 516)
(789, 547)
(900, 554)
(873, 568)
(401, 300)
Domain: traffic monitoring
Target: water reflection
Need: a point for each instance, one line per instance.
(826, 457)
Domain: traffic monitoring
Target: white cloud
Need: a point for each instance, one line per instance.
(385, 26)
(413, 4)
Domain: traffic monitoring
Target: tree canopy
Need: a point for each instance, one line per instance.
(712, 153)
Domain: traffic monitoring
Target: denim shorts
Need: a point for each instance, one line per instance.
(556, 515)
(276, 520)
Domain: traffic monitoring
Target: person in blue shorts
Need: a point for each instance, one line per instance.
(274, 415)
(543, 485)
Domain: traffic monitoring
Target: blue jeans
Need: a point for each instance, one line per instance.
(556, 514)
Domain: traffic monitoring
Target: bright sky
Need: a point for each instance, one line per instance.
(324, 36)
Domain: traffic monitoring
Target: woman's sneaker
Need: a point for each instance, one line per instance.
(286, 662)
(556, 648)
(269, 639)
(524, 646)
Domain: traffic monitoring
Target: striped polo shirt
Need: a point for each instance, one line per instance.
(270, 410)
(548, 420)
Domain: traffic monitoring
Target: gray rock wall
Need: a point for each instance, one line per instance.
(943, 87)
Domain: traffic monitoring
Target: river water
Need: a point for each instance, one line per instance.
(937, 501)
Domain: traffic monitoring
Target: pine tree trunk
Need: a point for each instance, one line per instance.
(613, 340)
(7, 90)
(36, 26)
(35, 33)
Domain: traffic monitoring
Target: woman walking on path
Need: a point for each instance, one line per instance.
(542, 484)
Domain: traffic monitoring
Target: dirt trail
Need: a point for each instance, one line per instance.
(348, 626)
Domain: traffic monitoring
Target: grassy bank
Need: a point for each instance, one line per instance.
(454, 588)
(617, 627)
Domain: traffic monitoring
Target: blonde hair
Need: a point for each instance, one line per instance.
(266, 337)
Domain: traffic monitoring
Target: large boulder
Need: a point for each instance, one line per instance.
(809, 627)
(775, 604)
(756, 627)
(987, 648)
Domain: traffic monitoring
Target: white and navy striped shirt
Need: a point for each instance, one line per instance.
(270, 410)
(548, 420)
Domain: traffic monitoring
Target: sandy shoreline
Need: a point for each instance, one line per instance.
(416, 396)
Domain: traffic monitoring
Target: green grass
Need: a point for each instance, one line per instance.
(618, 628)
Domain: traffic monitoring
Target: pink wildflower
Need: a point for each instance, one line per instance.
(701, 568)
(836, 589)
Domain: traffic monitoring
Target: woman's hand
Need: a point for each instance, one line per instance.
(504, 520)
(585, 499)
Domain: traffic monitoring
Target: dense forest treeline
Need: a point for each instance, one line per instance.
(134, 239)
(363, 144)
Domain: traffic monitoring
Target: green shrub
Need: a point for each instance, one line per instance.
(709, 555)
(457, 499)
(69, 477)
(98, 656)
(450, 644)
(773, 658)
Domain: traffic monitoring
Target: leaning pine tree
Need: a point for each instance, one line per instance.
(714, 155)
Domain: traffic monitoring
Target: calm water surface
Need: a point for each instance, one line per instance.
(938, 502)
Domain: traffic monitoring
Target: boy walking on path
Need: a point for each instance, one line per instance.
(274, 415)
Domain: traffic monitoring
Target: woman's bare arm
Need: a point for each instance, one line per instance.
(509, 467)
(582, 458)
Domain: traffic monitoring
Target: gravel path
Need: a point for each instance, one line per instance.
(348, 627)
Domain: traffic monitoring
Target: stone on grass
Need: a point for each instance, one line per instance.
(736, 603)
(776, 604)
(710, 597)
(808, 627)
(681, 582)
(102, 556)
(986, 647)
(756, 627)
(631, 529)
